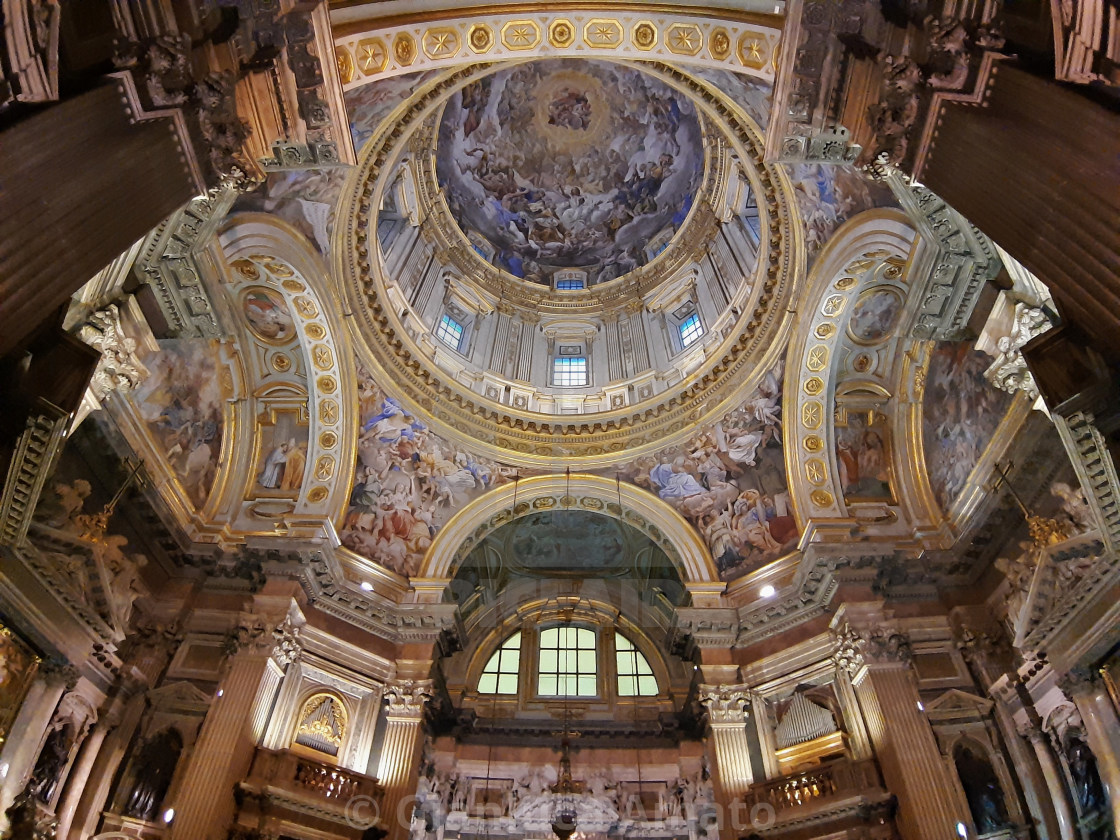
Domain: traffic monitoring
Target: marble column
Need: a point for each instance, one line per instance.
(1055, 783)
(22, 747)
(223, 754)
(397, 768)
(727, 719)
(104, 769)
(909, 757)
(1102, 728)
(80, 773)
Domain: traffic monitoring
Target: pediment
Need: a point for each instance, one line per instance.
(955, 703)
(181, 696)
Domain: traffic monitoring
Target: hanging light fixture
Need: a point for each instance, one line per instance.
(564, 813)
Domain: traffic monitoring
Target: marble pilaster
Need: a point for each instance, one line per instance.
(727, 720)
(1052, 773)
(260, 648)
(397, 768)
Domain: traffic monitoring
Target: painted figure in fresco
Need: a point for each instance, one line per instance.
(293, 467)
(272, 472)
(513, 179)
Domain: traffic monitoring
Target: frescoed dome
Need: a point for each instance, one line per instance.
(568, 164)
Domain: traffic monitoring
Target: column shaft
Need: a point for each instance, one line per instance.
(732, 758)
(22, 747)
(1102, 730)
(1059, 798)
(78, 776)
(397, 770)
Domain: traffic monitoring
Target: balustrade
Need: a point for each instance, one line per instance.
(832, 781)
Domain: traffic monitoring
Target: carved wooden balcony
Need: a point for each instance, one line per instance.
(834, 798)
(286, 789)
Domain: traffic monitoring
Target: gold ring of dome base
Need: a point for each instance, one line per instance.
(733, 362)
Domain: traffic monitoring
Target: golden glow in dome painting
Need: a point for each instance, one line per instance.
(566, 164)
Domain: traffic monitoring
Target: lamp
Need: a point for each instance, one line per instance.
(564, 814)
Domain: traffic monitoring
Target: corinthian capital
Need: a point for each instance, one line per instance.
(1079, 681)
(406, 698)
(878, 645)
(725, 703)
(260, 635)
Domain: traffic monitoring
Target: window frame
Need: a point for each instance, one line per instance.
(447, 318)
(557, 361)
(577, 675)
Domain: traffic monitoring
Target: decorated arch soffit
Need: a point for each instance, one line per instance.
(248, 437)
(859, 454)
(743, 41)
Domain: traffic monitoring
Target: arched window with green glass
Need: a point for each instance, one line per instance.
(500, 674)
(635, 676)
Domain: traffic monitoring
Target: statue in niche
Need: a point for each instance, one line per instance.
(1083, 771)
(155, 765)
(53, 758)
(981, 789)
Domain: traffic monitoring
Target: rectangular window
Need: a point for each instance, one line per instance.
(569, 284)
(690, 329)
(450, 332)
(567, 665)
(569, 371)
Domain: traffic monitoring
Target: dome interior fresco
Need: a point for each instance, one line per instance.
(564, 164)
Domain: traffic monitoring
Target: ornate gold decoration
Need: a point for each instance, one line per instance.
(480, 38)
(404, 49)
(815, 471)
(824, 330)
(322, 357)
(1045, 531)
(845, 283)
(861, 363)
(328, 412)
(279, 269)
(294, 286)
(521, 34)
(561, 33)
(644, 35)
(813, 443)
(833, 305)
(305, 306)
(281, 363)
(813, 385)
(520, 435)
(324, 467)
(345, 63)
(821, 498)
(317, 494)
(328, 439)
(719, 44)
(247, 269)
(327, 384)
(817, 359)
(754, 51)
(323, 717)
(441, 42)
(811, 415)
(602, 33)
(684, 39)
(316, 332)
(372, 56)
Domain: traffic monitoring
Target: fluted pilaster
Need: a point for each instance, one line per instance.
(1052, 773)
(233, 727)
(396, 771)
(879, 659)
(727, 719)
